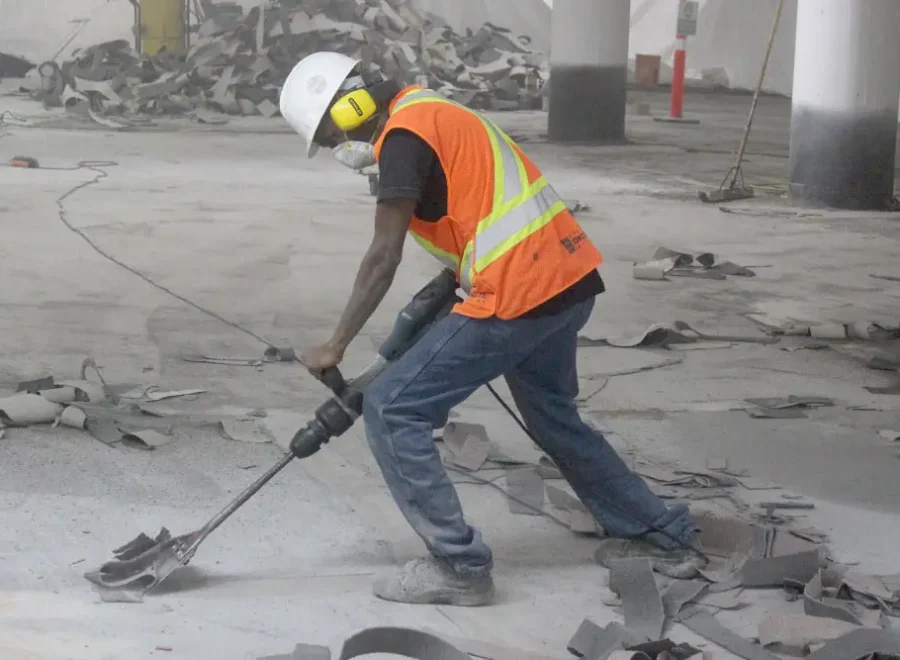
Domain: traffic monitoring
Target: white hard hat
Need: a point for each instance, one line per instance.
(309, 90)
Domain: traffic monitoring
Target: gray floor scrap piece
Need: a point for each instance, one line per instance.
(36, 385)
(859, 644)
(489, 651)
(814, 603)
(592, 642)
(678, 593)
(104, 429)
(400, 641)
(525, 487)
(642, 605)
(585, 639)
(666, 648)
(773, 571)
(705, 624)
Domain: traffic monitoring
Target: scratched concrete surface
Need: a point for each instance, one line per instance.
(238, 222)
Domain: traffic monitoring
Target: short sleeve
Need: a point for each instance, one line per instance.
(404, 166)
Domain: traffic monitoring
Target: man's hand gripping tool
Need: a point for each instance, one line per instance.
(334, 417)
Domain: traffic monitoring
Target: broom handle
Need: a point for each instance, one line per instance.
(759, 84)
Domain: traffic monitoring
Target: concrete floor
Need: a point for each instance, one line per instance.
(238, 222)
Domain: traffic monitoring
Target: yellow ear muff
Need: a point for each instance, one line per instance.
(353, 110)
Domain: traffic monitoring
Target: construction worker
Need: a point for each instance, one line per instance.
(474, 200)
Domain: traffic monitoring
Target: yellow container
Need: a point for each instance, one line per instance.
(163, 25)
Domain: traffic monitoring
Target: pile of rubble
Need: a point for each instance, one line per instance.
(238, 63)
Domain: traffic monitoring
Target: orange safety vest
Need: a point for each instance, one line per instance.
(507, 235)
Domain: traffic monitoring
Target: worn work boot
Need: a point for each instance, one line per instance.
(680, 563)
(432, 582)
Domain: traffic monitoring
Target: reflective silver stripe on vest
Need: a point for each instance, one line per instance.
(516, 219)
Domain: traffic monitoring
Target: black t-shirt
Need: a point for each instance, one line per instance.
(410, 169)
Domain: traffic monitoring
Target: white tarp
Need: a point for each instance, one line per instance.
(37, 29)
(528, 17)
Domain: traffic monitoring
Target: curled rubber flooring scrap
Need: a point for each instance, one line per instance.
(468, 445)
(642, 605)
(526, 491)
(400, 641)
(591, 641)
(36, 385)
(815, 603)
(28, 409)
(707, 626)
(796, 632)
(490, 651)
(580, 520)
(860, 644)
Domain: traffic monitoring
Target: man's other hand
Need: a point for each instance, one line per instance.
(319, 358)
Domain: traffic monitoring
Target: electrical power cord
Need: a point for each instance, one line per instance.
(96, 167)
(609, 501)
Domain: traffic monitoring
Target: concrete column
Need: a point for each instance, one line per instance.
(845, 98)
(588, 70)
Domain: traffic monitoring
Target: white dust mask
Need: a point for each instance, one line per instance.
(355, 155)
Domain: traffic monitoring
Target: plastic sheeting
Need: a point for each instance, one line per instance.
(731, 35)
(528, 17)
(39, 29)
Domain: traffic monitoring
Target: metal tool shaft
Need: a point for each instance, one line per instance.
(236, 503)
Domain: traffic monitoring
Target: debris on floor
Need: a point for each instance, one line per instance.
(146, 439)
(576, 206)
(238, 63)
(155, 394)
(642, 606)
(13, 66)
(667, 263)
(405, 642)
(836, 331)
(229, 361)
(791, 407)
(581, 521)
(249, 430)
(525, 490)
(469, 447)
(114, 415)
(663, 335)
(468, 450)
(840, 614)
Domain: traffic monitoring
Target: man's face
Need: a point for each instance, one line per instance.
(328, 135)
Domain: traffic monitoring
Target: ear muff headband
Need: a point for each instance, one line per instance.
(353, 110)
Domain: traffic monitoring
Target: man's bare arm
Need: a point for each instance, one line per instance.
(377, 270)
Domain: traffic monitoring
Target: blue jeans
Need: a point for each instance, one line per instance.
(414, 396)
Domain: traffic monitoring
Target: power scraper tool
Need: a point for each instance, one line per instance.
(144, 562)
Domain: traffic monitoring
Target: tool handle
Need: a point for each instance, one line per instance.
(333, 380)
(431, 302)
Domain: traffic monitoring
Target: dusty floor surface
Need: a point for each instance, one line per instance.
(236, 221)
